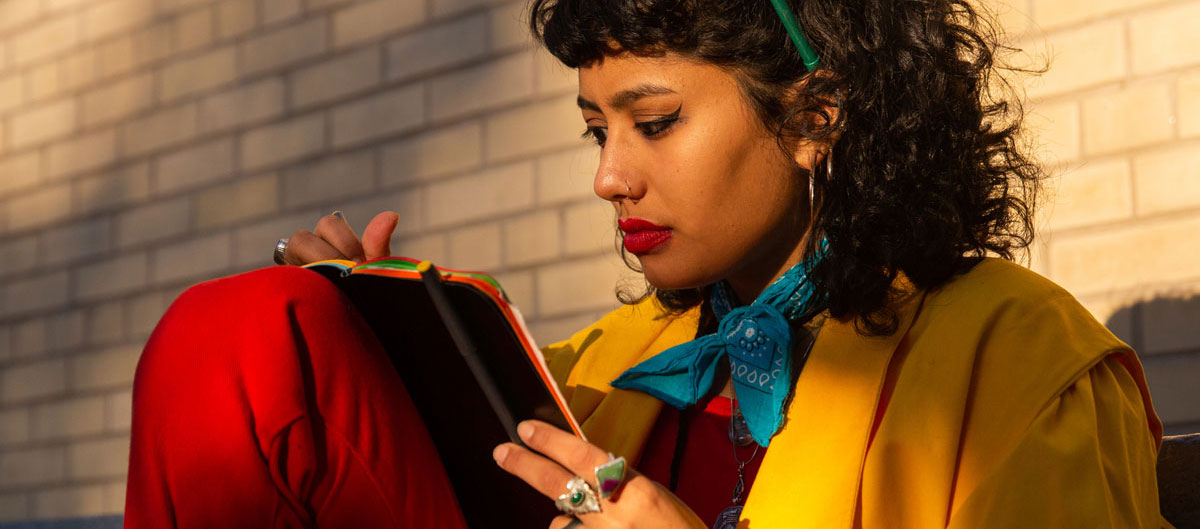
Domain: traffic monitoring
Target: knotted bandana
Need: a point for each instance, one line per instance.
(757, 340)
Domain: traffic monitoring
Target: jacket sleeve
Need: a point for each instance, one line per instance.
(1087, 460)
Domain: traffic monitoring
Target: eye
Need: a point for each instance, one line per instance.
(598, 134)
(653, 128)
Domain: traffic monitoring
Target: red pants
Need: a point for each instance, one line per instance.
(263, 400)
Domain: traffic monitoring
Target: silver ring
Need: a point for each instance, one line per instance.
(280, 248)
(579, 498)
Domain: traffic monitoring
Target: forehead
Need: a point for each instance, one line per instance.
(599, 82)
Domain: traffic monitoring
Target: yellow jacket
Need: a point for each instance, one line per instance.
(1001, 402)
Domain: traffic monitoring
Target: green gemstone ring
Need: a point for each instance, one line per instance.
(579, 498)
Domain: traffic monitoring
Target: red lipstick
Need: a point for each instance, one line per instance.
(641, 235)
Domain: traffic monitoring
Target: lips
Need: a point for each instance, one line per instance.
(642, 236)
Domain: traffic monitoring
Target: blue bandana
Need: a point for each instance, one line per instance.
(758, 342)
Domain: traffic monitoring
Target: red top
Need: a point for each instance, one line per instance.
(708, 471)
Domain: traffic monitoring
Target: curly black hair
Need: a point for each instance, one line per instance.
(928, 173)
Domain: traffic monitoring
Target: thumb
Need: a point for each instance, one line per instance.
(377, 236)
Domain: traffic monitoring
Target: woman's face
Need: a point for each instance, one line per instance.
(683, 150)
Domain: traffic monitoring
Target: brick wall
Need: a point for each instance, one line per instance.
(149, 144)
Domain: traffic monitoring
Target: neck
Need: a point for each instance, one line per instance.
(749, 282)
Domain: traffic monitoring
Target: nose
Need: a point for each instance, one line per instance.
(616, 181)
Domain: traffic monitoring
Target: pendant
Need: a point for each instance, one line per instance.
(728, 519)
(739, 432)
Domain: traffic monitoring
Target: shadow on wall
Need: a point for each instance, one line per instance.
(1165, 331)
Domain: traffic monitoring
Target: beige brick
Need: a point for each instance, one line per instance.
(98, 459)
(46, 122)
(68, 418)
(71, 501)
(108, 368)
(33, 466)
(532, 238)
(42, 81)
(104, 18)
(11, 93)
(30, 338)
(65, 330)
(1165, 38)
(1168, 322)
(567, 175)
(1049, 13)
(1055, 132)
(369, 20)
(284, 47)
(46, 205)
(242, 105)
(238, 201)
(118, 411)
(84, 153)
(381, 115)
(590, 228)
(317, 5)
(282, 142)
(1172, 381)
(6, 354)
(76, 241)
(194, 166)
(557, 126)
(198, 74)
(114, 57)
(252, 244)
(406, 204)
(39, 293)
(235, 17)
(19, 256)
(335, 78)
(490, 193)
(153, 222)
(434, 154)
(275, 11)
(1083, 57)
(1167, 180)
(118, 100)
(43, 40)
(163, 128)
(113, 189)
(144, 312)
(576, 286)
(194, 30)
(1096, 193)
(437, 47)
(1126, 257)
(518, 286)
(329, 179)
(114, 497)
(1136, 116)
(153, 44)
(121, 275)
(553, 330)
(443, 8)
(194, 260)
(551, 77)
(1012, 16)
(14, 426)
(17, 14)
(494, 83)
(106, 323)
(19, 172)
(31, 381)
(78, 69)
(432, 247)
(475, 248)
(1188, 108)
(509, 28)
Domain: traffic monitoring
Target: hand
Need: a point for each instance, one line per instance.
(333, 238)
(639, 503)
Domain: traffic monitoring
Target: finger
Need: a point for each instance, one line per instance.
(565, 522)
(544, 475)
(303, 247)
(577, 455)
(335, 231)
(377, 236)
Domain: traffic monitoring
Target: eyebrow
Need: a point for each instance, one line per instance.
(627, 97)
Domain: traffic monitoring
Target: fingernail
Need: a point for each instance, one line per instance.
(339, 215)
(500, 452)
(525, 430)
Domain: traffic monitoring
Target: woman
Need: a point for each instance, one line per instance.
(811, 198)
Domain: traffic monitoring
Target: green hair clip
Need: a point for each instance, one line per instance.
(793, 28)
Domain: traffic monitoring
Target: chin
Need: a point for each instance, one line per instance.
(667, 274)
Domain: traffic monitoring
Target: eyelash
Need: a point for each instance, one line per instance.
(649, 129)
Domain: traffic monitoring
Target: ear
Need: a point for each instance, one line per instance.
(823, 118)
